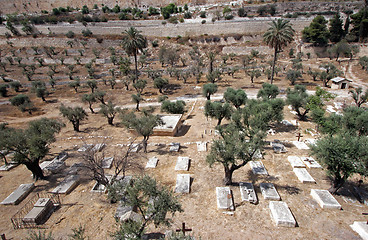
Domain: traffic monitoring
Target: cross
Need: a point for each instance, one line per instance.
(299, 136)
(183, 229)
(311, 161)
(365, 214)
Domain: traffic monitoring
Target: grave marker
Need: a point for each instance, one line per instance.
(7, 167)
(310, 162)
(224, 198)
(152, 162)
(183, 229)
(98, 147)
(41, 210)
(174, 147)
(296, 162)
(67, 185)
(19, 194)
(300, 145)
(325, 199)
(248, 193)
(281, 214)
(61, 156)
(303, 175)
(202, 146)
(182, 183)
(107, 162)
(278, 147)
(269, 191)
(55, 166)
(182, 164)
(44, 164)
(361, 228)
(258, 168)
(85, 148)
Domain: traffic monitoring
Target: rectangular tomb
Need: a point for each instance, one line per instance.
(269, 191)
(55, 166)
(258, 168)
(61, 156)
(182, 164)
(278, 147)
(247, 192)
(224, 198)
(296, 162)
(19, 194)
(107, 162)
(182, 183)
(300, 145)
(310, 162)
(152, 162)
(67, 185)
(281, 214)
(303, 175)
(325, 199)
(40, 211)
(85, 148)
(44, 164)
(98, 147)
(202, 146)
(7, 167)
(361, 228)
(174, 147)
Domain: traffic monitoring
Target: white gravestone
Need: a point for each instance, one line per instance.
(174, 147)
(40, 211)
(247, 192)
(107, 162)
(61, 156)
(310, 162)
(182, 164)
(44, 164)
(85, 148)
(224, 198)
(55, 166)
(135, 147)
(361, 228)
(325, 199)
(296, 162)
(269, 191)
(278, 147)
(7, 167)
(182, 183)
(98, 147)
(202, 146)
(300, 145)
(19, 194)
(67, 185)
(258, 168)
(281, 214)
(152, 162)
(303, 175)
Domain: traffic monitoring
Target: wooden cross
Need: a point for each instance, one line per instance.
(311, 161)
(183, 229)
(299, 136)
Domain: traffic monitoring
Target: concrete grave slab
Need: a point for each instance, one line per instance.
(281, 214)
(361, 228)
(19, 194)
(41, 210)
(325, 199)
(182, 183)
(300, 145)
(74, 169)
(310, 162)
(55, 166)
(132, 216)
(61, 157)
(44, 164)
(269, 191)
(85, 148)
(121, 210)
(182, 164)
(202, 146)
(152, 162)
(258, 154)
(310, 141)
(258, 168)
(247, 192)
(287, 123)
(303, 175)
(67, 185)
(7, 167)
(135, 147)
(278, 147)
(224, 198)
(107, 162)
(174, 147)
(296, 162)
(99, 188)
(98, 147)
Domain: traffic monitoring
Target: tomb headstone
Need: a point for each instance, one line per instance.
(361, 228)
(182, 164)
(41, 210)
(296, 162)
(19, 194)
(269, 191)
(152, 162)
(67, 185)
(224, 198)
(202, 146)
(258, 168)
(303, 175)
(281, 214)
(300, 145)
(247, 192)
(310, 162)
(182, 183)
(107, 162)
(287, 123)
(325, 199)
(174, 147)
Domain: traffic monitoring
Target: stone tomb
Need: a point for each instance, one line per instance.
(224, 198)
(55, 166)
(300, 145)
(296, 162)
(107, 162)
(19, 194)
(310, 162)
(269, 191)
(7, 167)
(182, 164)
(61, 156)
(303, 175)
(40, 212)
(135, 147)
(182, 183)
(152, 162)
(174, 147)
(248, 193)
(202, 146)
(85, 148)
(67, 185)
(98, 147)
(361, 228)
(44, 164)
(122, 209)
(258, 168)
(325, 199)
(278, 147)
(74, 169)
(281, 214)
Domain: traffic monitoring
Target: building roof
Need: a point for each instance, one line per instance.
(339, 79)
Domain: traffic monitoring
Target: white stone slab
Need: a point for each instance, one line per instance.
(152, 162)
(55, 166)
(310, 162)
(361, 228)
(44, 164)
(325, 199)
(135, 147)
(296, 162)
(132, 216)
(61, 156)
(310, 141)
(224, 198)
(330, 109)
(85, 147)
(182, 164)
(74, 169)
(247, 192)
(287, 123)
(202, 146)
(182, 183)
(303, 175)
(107, 162)
(19, 194)
(7, 167)
(269, 191)
(281, 214)
(98, 147)
(67, 185)
(174, 147)
(258, 168)
(300, 145)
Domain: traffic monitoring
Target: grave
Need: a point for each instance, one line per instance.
(74, 169)
(174, 147)
(310, 141)
(258, 154)
(361, 228)
(98, 147)
(269, 191)
(19, 194)
(300, 145)
(281, 214)
(107, 162)
(258, 168)
(182, 164)
(152, 162)
(303, 175)
(61, 156)
(41, 211)
(182, 183)
(170, 127)
(310, 162)
(135, 147)
(296, 162)
(132, 216)
(122, 209)
(7, 167)
(287, 123)
(44, 164)
(99, 188)
(224, 198)
(325, 199)
(85, 148)
(67, 185)
(278, 147)
(55, 166)
(202, 146)
(248, 193)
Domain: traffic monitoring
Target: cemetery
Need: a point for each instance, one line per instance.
(201, 121)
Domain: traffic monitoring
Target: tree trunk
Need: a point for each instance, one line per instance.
(136, 67)
(273, 64)
(228, 180)
(219, 121)
(35, 169)
(144, 144)
(43, 98)
(337, 184)
(90, 108)
(110, 120)
(76, 126)
(208, 96)
(137, 107)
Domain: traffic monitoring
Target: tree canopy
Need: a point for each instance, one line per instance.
(74, 115)
(317, 32)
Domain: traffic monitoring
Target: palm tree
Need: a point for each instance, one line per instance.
(277, 36)
(133, 42)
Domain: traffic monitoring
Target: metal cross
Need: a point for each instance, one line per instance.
(299, 136)
(183, 229)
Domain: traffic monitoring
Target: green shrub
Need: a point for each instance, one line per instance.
(70, 34)
(87, 33)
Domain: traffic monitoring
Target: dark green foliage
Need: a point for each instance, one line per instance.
(90, 99)
(85, 9)
(293, 75)
(74, 115)
(78, 233)
(153, 11)
(242, 12)
(22, 102)
(33, 235)
(15, 85)
(317, 32)
(177, 107)
(208, 90)
(75, 84)
(160, 83)
(109, 110)
(268, 91)
(358, 96)
(235, 97)
(137, 98)
(4, 90)
(168, 10)
(140, 85)
(336, 31)
(359, 23)
(92, 84)
(86, 33)
(70, 34)
(39, 88)
(218, 111)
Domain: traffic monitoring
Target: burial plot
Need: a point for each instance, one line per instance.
(303, 175)
(74, 169)
(152, 162)
(19, 194)
(281, 214)
(122, 209)
(67, 185)
(300, 145)
(278, 147)
(41, 210)
(99, 188)
(296, 162)
(325, 199)
(310, 141)
(248, 193)
(224, 198)
(361, 228)
(258, 168)
(182, 164)
(310, 162)
(55, 166)
(174, 147)
(107, 162)
(182, 183)
(85, 148)
(202, 146)
(287, 123)
(135, 147)
(131, 216)
(98, 147)
(44, 164)
(269, 191)
(61, 157)
(7, 167)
